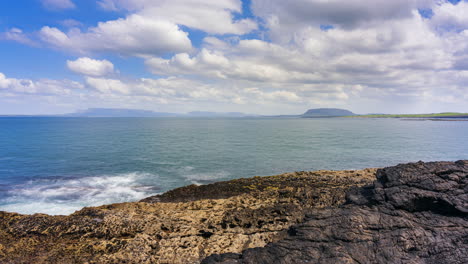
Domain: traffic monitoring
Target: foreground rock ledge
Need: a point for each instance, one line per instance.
(184, 225)
(413, 213)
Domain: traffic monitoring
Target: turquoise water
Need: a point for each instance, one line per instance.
(59, 165)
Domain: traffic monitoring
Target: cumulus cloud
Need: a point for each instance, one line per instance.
(42, 87)
(381, 54)
(402, 56)
(58, 4)
(282, 16)
(16, 34)
(179, 90)
(108, 85)
(449, 17)
(91, 67)
(150, 27)
(215, 17)
(133, 35)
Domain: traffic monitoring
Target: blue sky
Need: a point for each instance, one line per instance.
(256, 56)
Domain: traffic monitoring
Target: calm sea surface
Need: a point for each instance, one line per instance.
(59, 165)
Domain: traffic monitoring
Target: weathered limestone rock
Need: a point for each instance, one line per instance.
(184, 225)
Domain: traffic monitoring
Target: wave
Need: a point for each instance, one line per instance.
(65, 195)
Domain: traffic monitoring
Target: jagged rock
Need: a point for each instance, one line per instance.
(181, 226)
(414, 213)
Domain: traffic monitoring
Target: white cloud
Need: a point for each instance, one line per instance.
(58, 4)
(16, 34)
(283, 18)
(381, 54)
(449, 17)
(134, 35)
(284, 96)
(41, 87)
(150, 28)
(91, 67)
(174, 90)
(392, 60)
(215, 17)
(108, 85)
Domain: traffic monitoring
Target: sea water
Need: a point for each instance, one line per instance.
(58, 165)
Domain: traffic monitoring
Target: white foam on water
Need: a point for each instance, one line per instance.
(64, 196)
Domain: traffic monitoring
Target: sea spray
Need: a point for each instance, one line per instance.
(66, 195)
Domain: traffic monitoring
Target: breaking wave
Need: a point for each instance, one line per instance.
(65, 195)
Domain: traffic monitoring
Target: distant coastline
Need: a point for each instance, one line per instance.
(311, 113)
(433, 115)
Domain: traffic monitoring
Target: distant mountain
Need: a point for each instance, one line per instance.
(327, 112)
(117, 112)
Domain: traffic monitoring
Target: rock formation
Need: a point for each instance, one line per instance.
(414, 213)
(184, 225)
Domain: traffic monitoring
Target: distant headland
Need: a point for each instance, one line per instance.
(336, 112)
(432, 115)
(327, 112)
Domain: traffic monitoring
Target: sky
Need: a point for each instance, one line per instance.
(251, 56)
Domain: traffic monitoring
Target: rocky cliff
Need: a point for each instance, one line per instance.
(413, 213)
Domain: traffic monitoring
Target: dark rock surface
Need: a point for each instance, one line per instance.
(414, 213)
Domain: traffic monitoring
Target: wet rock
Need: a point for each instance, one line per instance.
(414, 213)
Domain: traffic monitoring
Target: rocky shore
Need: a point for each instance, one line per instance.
(411, 213)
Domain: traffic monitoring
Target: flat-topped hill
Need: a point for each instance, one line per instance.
(327, 112)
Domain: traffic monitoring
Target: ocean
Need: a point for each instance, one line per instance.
(57, 165)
